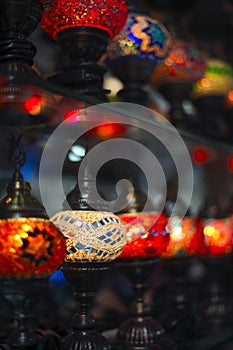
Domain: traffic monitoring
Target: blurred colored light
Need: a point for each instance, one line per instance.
(218, 235)
(217, 79)
(108, 130)
(200, 156)
(184, 63)
(33, 105)
(231, 163)
(185, 237)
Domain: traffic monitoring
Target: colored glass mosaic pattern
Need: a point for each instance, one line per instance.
(91, 235)
(146, 234)
(184, 62)
(108, 15)
(142, 37)
(30, 247)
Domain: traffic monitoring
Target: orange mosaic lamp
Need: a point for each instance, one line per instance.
(30, 245)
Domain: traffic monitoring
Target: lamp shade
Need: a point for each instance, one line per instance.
(29, 247)
(185, 237)
(218, 235)
(184, 63)
(217, 79)
(142, 37)
(91, 235)
(146, 234)
(108, 15)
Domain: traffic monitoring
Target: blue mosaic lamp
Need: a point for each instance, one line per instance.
(135, 52)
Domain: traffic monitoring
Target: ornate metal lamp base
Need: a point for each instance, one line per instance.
(84, 278)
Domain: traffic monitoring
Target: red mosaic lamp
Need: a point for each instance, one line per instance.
(83, 29)
(147, 238)
(32, 248)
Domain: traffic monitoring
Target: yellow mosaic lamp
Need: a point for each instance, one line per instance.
(94, 238)
(91, 235)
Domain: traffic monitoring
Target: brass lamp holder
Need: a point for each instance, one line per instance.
(21, 294)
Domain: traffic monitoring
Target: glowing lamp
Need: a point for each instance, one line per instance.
(218, 234)
(146, 234)
(107, 15)
(184, 63)
(91, 235)
(217, 79)
(29, 247)
(142, 37)
(185, 237)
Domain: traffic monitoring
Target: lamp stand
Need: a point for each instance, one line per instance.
(181, 320)
(84, 277)
(21, 295)
(140, 330)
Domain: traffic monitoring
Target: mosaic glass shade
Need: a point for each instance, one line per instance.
(29, 247)
(108, 15)
(218, 235)
(91, 235)
(146, 234)
(142, 37)
(184, 63)
(217, 80)
(185, 237)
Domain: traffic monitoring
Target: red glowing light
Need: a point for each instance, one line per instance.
(200, 156)
(109, 130)
(230, 96)
(230, 163)
(32, 105)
